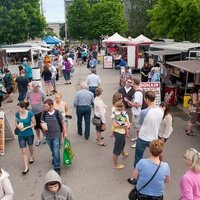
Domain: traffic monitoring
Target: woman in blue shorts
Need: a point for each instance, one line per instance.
(25, 121)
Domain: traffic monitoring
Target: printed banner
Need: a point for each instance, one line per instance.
(152, 86)
(107, 62)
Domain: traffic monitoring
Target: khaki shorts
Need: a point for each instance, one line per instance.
(136, 124)
(130, 114)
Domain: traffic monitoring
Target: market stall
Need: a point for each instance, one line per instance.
(136, 51)
(115, 49)
(183, 75)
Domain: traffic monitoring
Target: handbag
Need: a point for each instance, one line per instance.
(16, 131)
(96, 121)
(134, 193)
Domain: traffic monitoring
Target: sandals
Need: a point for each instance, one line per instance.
(125, 155)
(190, 133)
(102, 144)
(101, 138)
(119, 166)
(31, 161)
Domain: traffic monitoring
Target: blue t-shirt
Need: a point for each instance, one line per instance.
(26, 122)
(146, 169)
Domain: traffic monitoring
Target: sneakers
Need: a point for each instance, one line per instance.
(134, 139)
(58, 171)
(44, 140)
(119, 166)
(37, 143)
(133, 145)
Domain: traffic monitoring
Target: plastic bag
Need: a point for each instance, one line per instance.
(67, 153)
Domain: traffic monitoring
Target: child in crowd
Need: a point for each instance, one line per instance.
(120, 124)
(54, 189)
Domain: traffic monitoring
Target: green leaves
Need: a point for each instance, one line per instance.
(20, 20)
(91, 21)
(177, 19)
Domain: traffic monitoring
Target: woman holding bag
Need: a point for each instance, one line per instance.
(25, 121)
(152, 171)
(99, 112)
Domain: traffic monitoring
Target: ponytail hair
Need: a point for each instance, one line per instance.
(194, 156)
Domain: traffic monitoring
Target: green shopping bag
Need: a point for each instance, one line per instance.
(67, 153)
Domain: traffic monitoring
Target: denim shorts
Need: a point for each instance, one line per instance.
(23, 140)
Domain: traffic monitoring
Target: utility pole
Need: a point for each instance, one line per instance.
(66, 4)
(41, 7)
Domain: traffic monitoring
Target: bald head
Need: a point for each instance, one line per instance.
(84, 85)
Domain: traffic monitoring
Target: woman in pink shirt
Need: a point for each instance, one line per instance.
(190, 182)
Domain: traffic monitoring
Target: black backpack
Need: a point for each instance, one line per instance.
(57, 117)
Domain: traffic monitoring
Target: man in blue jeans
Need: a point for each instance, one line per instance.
(150, 119)
(53, 125)
(83, 102)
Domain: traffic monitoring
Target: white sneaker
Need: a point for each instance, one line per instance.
(133, 145)
(134, 139)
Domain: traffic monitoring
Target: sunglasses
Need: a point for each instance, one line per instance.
(129, 82)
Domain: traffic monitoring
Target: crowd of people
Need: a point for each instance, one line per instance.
(134, 116)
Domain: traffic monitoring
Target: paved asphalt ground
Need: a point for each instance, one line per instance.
(92, 176)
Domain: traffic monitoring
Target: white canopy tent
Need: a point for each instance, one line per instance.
(141, 39)
(116, 38)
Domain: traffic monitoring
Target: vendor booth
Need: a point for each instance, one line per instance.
(163, 56)
(136, 51)
(115, 50)
(183, 75)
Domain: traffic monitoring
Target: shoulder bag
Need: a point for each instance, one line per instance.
(134, 193)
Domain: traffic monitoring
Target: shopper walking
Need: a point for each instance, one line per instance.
(36, 99)
(93, 81)
(24, 122)
(46, 75)
(53, 125)
(99, 113)
(8, 84)
(22, 85)
(194, 110)
(83, 102)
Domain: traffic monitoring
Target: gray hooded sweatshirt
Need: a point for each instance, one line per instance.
(64, 192)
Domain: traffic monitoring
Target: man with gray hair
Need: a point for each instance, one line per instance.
(83, 102)
(93, 81)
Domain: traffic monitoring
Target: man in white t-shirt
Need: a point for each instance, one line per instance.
(93, 81)
(150, 119)
(136, 104)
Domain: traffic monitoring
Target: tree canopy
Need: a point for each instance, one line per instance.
(138, 18)
(107, 17)
(88, 20)
(177, 19)
(20, 20)
(78, 16)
